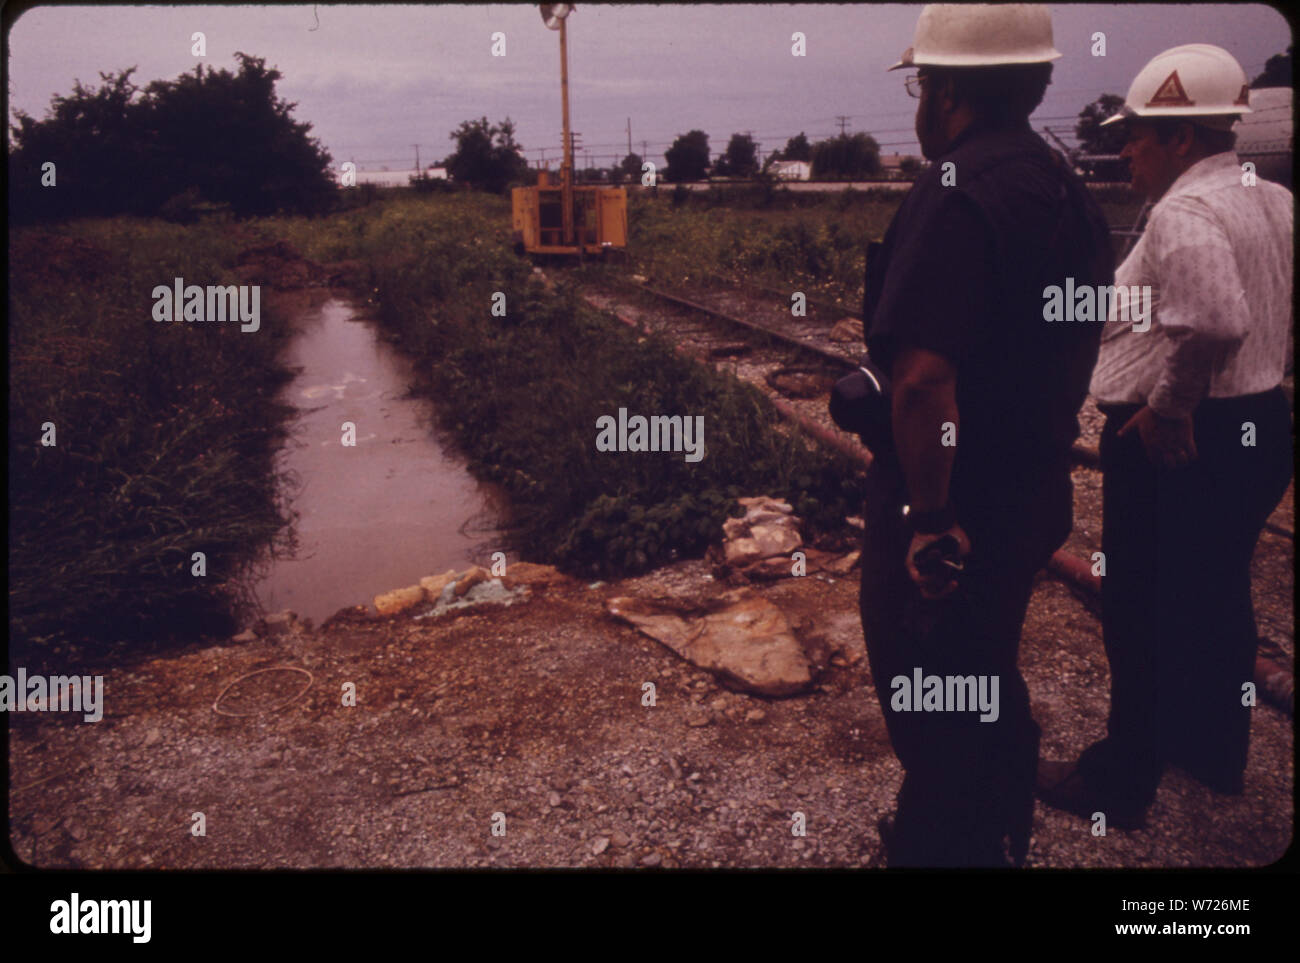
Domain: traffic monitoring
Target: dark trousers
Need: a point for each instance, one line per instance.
(1177, 614)
(968, 784)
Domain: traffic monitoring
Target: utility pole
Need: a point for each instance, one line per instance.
(629, 135)
(566, 175)
(417, 157)
(843, 119)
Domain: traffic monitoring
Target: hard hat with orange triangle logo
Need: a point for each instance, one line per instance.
(1197, 81)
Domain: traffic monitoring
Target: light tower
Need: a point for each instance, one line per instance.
(554, 15)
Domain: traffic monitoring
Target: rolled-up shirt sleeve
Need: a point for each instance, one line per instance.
(1203, 311)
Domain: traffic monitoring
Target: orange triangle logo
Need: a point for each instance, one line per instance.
(1243, 99)
(1171, 94)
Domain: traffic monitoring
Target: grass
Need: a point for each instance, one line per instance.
(813, 242)
(164, 437)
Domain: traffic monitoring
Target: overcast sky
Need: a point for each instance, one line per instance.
(375, 80)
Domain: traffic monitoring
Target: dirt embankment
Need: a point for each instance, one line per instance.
(535, 711)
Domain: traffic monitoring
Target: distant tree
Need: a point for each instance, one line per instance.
(688, 158)
(909, 165)
(1096, 139)
(210, 137)
(425, 183)
(486, 155)
(230, 136)
(1092, 137)
(796, 148)
(846, 157)
(740, 158)
(630, 168)
(1277, 72)
(93, 138)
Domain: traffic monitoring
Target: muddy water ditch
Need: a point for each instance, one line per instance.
(380, 513)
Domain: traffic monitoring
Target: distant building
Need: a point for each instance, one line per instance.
(384, 178)
(791, 170)
(892, 162)
(1264, 136)
(387, 178)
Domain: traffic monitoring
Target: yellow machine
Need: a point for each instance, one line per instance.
(597, 223)
(563, 218)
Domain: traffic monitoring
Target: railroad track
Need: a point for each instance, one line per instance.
(780, 341)
(826, 309)
(795, 372)
(808, 338)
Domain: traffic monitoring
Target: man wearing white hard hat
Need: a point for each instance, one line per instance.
(954, 315)
(1196, 451)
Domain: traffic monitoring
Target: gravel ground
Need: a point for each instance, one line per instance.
(535, 711)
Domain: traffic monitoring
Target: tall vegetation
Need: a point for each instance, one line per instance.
(688, 157)
(134, 444)
(210, 137)
(1276, 73)
(740, 158)
(486, 156)
(846, 157)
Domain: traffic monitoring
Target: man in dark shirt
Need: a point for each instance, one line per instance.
(985, 394)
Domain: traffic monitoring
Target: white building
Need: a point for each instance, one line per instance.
(793, 170)
(387, 178)
(1264, 136)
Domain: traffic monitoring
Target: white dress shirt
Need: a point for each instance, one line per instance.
(1217, 255)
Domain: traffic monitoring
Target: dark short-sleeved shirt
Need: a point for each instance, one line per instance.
(962, 271)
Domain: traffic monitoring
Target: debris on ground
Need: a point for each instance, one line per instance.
(765, 543)
(847, 329)
(741, 637)
(456, 590)
(800, 382)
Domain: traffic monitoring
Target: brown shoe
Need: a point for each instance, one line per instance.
(1062, 786)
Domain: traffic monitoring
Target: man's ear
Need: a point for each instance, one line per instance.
(944, 91)
(1184, 139)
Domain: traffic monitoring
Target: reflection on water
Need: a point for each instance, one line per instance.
(380, 515)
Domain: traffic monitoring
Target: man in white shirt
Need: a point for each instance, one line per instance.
(1196, 451)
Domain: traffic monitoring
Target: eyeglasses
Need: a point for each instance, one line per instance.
(913, 84)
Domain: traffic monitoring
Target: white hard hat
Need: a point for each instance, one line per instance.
(1198, 81)
(980, 35)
